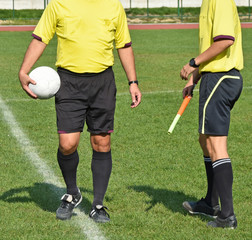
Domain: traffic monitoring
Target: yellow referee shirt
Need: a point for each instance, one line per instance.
(86, 32)
(219, 20)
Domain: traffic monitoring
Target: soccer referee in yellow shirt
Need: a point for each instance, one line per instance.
(218, 65)
(86, 33)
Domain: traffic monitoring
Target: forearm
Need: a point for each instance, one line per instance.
(196, 76)
(214, 50)
(32, 54)
(127, 59)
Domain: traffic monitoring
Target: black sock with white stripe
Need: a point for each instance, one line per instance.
(212, 194)
(223, 177)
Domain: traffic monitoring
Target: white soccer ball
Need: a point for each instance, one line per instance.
(47, 82)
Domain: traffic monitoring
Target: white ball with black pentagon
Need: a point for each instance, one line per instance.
(47, 82)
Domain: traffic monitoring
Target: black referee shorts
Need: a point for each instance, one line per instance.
(218, 94)
(87, 97)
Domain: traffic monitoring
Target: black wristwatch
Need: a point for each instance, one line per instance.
(193, 64)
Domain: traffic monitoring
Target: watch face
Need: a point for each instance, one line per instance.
(192, 63)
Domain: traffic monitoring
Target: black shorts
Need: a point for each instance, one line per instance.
(87, 97)
(218, 94)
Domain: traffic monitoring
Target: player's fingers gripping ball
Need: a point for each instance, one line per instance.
(47, 82)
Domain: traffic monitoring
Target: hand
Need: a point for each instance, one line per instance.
(135, 95)
(188, 90)
(25, 80)
(186, 71)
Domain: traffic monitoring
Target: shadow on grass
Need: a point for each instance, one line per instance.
(46, 196)
(172, 200)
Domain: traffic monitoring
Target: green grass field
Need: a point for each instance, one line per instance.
(153, 173)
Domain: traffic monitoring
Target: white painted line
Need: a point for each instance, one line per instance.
(118, 94)
(166, 92)
(88, 227)
(150, 93)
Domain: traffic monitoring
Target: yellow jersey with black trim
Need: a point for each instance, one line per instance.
(219, 20)
(86, 31)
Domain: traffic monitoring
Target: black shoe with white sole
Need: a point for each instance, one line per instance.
(99, 214)
(68, 203)
(229, 222)
(201, 208)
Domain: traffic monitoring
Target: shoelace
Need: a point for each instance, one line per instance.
(103, 211)
(65, 204)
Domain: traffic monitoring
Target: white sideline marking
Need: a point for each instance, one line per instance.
(87, 226)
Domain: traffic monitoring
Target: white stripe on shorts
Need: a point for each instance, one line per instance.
(210, 96)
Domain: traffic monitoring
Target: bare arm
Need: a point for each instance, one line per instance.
(214, 50)
(34, 51)
(127, 58)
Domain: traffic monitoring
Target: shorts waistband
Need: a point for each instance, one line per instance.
(83, 74)
(231, 70)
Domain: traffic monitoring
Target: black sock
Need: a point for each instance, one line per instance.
(212, 194)
(68, 165)
(223, 177)
(101, 168)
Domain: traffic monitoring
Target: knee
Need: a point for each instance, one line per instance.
(101, 147)
(101, 143)
(67, 147)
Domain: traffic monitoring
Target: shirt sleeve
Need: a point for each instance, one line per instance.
(223, 20)
(46, 26)
(122, 36)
